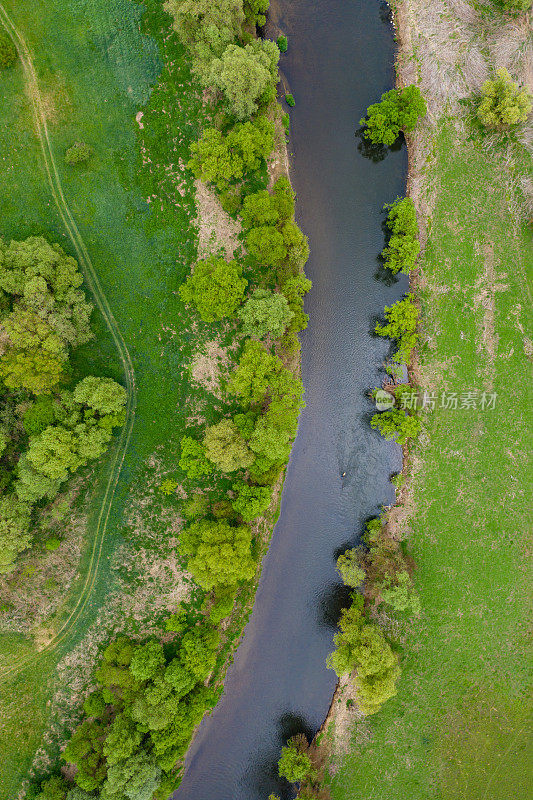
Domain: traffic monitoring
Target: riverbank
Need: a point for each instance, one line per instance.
(458, 725)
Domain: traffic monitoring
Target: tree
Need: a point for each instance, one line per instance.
(349, 568)
(400, 593)
(251, 501)
(32, 485)
(503, 103)
(267, 245)
(255, 10)
(53, 789)
(265, 313)
(136, 778)
(15, 533)
(39, 415)
(259, 209)
(284, 198)
(198, 651)
(398, 110)
(220, 553)
(403, 247)
(193, 459)
(146, 660)
(215, 288)
(225, 158)
(402, 319)
(226, 448)
(256, 371)
(85, 750)
(294, 764)
(296, 243)
(122, 740)
(35, 355)
(294, 289)
(8, 51)
(78, 153)
(246, 75)
(396, 424)
(103, 395)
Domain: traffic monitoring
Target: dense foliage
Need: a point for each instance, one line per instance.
(215, 288)
(49, 426)
(403, 246)
(503, 103)
(398, 110)
(247, 76)
(402, 319)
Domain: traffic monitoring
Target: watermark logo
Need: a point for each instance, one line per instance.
(384, 401)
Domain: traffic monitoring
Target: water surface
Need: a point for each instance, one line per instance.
(340, 59)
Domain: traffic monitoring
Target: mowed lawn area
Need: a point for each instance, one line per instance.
(460, 725)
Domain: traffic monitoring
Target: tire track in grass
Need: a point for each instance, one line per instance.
(91, 278)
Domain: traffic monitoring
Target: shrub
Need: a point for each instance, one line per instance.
(79, 153)
(247, 76)
(15, 533)
(225, 158)
(403, 247)
(267, 245)
(39, 416)
(193, 459)
(219, 553)
(215, 288)
(396, 424)
(52, 543)
(400, 594)
(251, 501)
(8, 51)
(503, 103)
(265, 313)
(402, 319)
(289, 99)
(196, 506)
(282, 43)
(398, 110)
(226, 448)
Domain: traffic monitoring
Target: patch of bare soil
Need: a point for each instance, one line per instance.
(216, 229)
(209, 365)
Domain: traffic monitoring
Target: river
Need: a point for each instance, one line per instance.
(340, 59)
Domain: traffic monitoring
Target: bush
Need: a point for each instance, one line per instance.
(193, 459)
(403, 247)
(398, 110)
(289, 99)
(196, 506)
(15, 533)
(294, 764)
(396, 424)
(503, 103)
(219, 553)
(247, 76)
(265, 313)
(215, 288)
(79, 153)
(282, 43)
(225, 158)
(39, 416)
(8, 51)
(515, 6)
(226, 448)
(402, 319)
(349, 568)
(52, 543)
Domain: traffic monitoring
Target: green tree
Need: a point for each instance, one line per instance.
(515, 6)
(193, 459)
(15, 533)
(35, 355)
(402, 319)
(220, 554)
(103, 395)
(284, 198)
(32, 485)
(259, 209)
(256, 371)
(403, 248)
(215, 288)
(226, 448)
(396, 424)
(39, 415)
(267, 245)
(349, 568)
(53, 789)
(78, 153)
(400, 593)
(265, 313)
(294, 289)
(294, 764)
(251, 501)
(146, 660)
(398, 110)
(198, 651)
(225, 158)
(85, 751)
(255, 10)
(136, 778)
(296, 244)
(503, 103)
(246, 75)
(122, 741)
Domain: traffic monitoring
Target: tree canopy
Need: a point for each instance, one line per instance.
(247, 75)
(503, 102)
(265, 313)
(398, 110)
(219, 553)
(215, 288)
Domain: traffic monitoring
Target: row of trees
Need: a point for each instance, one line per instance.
(49, 425)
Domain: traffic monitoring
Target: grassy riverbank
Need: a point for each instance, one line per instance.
(458, 726)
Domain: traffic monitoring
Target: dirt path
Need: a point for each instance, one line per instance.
(54, 181)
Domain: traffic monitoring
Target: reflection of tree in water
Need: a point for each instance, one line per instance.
(331, 603)
(385, 13)
(376, 152)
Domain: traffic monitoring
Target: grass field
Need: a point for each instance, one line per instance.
(95, 66)
(460, 724)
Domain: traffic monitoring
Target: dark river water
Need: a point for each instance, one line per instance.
(340, 59)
